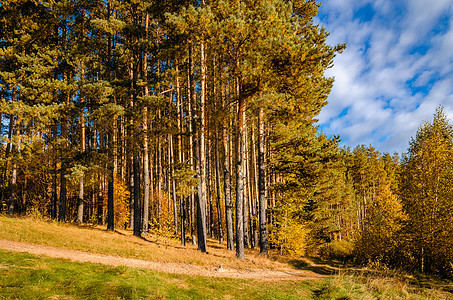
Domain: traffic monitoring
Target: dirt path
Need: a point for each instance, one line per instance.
(178, 268)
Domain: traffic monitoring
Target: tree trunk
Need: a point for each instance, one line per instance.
(160, 183)
(130, 163)
(264, 243)
(145, 170)
(137, 200)
(12, 195)
(246, 189)
(240, 179)
(168, 178)
(62, 208)
(145, 141)
(217, 177)
(183, 201)
(183, 217)
(53, 209)
(9, 143)
(202, 165)
(208, 195)
(254, 188)
(173, 183)
(110, 204)
(111, 145)
(64, 135)
(227, 183)
(81, 184)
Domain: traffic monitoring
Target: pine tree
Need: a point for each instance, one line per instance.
(27, 67)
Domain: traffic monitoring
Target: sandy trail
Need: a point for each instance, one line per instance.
(176, 268)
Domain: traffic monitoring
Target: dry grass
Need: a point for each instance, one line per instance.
(96, 239)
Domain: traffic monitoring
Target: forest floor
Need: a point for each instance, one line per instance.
(174, 268)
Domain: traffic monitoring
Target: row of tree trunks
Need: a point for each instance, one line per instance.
(213, 161)
(207, 158)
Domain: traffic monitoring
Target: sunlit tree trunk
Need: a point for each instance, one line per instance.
(65, 144)
(226, 179)
(145, 140)
(81, 183)
(246, 188)
(137, 200)
(217, 180)
(12, 194)
(264, 244)
(201, 203)
(111, 145)
(54, 200)
(191, 83)
(173, 183)
(240, 179)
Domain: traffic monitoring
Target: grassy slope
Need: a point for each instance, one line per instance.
(122, 243)
(27, 276)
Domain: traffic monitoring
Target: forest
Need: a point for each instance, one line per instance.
(197, 120)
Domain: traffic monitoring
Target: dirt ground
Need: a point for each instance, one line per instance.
(177, 268)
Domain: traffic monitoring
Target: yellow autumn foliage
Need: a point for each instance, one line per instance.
(291, 236)
(120, 201)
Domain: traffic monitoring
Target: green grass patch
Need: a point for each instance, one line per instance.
(25, 276)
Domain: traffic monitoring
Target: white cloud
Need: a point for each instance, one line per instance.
(386, 87)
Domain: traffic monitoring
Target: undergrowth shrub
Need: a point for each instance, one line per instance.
(338, 250)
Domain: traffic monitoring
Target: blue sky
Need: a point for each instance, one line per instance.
(397, 69)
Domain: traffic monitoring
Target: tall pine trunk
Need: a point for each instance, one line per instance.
(264, 243)
(183, 201)
(137, 200)
(145, 141)
(227, 184)
(110, 205)
(191, 83)
(111, 145)
(217, 180)
(81, 183)
(246, 189)
(201, 204)
(240, 179)
(160, 181)
(12, 194)
(63, 191)
(62, 208)
(146, 183)
(173, 183)
(53, 208)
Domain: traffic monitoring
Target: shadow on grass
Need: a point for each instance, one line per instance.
(216, 246)
(319, 266)
(432, 281)
(92, 227)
